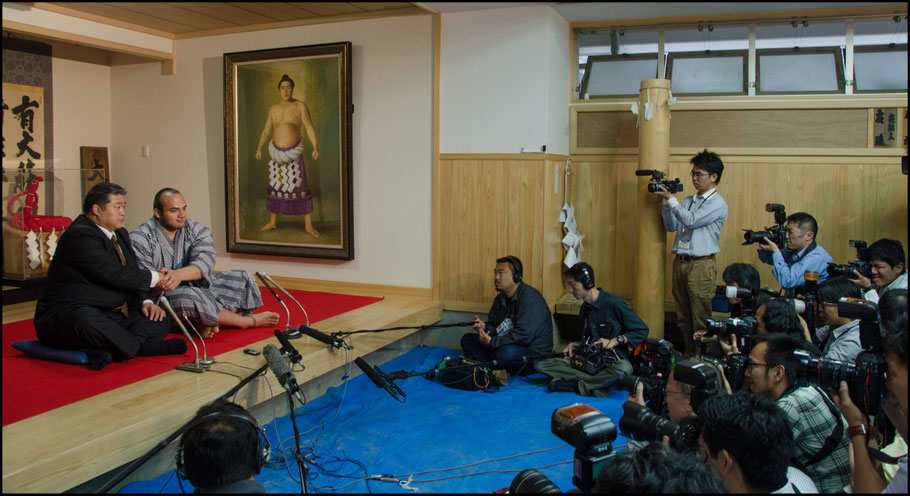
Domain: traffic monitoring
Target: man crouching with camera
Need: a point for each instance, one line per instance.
(610, 327)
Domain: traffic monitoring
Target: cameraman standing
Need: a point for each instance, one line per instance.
(609, 324)
(790, 264)
(889, 271)
(697, 221)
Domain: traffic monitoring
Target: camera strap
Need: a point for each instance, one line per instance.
(796, 257)
(836, 435)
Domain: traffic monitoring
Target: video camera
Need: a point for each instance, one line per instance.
(657, 180)
(590, 432)
(642, 425)
(777, 234)
(865, 377)
(861, 265)
(744, 329)
(652, 387)
(590, 358)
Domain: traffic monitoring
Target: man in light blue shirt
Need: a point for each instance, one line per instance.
(789, 265)
(696, 221)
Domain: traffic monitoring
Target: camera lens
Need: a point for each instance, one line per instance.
(825, 373)
(532, 482)
(639, 423)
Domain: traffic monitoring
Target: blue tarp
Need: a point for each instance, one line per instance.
(436, 428)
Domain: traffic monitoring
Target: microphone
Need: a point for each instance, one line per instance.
(281, 370)
(196, 365)
(643, 172)
(292, 352)
(375, 377)
(287, 324)
(324, 338)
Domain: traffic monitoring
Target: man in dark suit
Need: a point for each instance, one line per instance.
(93, 273)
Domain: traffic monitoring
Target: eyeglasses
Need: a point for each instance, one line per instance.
(699, 174)
(667, 391)
(751, 364)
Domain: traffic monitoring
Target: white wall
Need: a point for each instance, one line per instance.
(181, 118)
(504, 81)
(82, 117)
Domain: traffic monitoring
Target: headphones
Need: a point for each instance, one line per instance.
(587, 275)
(263, 447)
(515, 265)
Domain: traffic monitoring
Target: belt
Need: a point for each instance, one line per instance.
(687, 258)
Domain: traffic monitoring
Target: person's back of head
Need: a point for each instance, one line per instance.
(780, 317)
(656, 469)
(744, 275)
(892, 307)
(754, 431)
(835, 288)
(220, 446)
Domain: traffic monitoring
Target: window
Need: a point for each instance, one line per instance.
(617, 75)
(880, 68)
(714, 73)
(808, 70)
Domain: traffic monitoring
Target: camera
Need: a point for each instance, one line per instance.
(861, 265)
(865, 377)
(734, 367)
(642, 425)
(652, 357)
(657, 180)
(531, 481)
(744, 328)
(591, 358)
(777, 234)
(870, 333)
(652, 387)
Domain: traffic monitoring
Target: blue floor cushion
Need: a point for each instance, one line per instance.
(34, 348)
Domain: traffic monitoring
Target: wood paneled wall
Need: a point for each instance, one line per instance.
(492, 205)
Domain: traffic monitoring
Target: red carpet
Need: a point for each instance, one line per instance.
(32, 386)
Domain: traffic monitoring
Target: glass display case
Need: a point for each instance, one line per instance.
(39, 204)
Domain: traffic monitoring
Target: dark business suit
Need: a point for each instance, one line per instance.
(85, 290)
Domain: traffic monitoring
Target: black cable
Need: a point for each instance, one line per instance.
(169, 480)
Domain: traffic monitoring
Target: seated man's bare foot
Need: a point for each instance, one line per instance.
(269, 226)
(208, 331)
(264, 319)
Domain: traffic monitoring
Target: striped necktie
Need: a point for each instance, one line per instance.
(119, 251)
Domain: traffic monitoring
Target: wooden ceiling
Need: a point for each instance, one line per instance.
(193, 19)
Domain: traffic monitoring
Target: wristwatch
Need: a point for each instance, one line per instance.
(866, 431)
(621, 339)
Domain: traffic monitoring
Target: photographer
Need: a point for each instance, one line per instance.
(656, 469)
(777, 316)
(789, 264)
(746, 440)
(839, 338)
(818, 428)
(744, 276)
(678, 395)
(889, 271)
(609, 325)
(221, 450)
(697, 221)
(866, 478)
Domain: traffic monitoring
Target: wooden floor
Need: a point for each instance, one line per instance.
(62, 448)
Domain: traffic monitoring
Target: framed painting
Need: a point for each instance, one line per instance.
(95, 166)
(287, 135)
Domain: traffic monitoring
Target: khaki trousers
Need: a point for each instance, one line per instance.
(694, 285)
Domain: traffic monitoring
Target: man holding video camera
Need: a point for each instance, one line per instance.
(818, 427)
(697, 221)
(746, 440)
(802, 254)
(610, 328)
(888, 263)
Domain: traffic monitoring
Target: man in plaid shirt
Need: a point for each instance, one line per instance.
(818, 427)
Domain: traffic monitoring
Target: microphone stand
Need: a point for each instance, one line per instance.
(292, 334)
(297, 454)
(206, 360)
(196, 365)
(289, 295)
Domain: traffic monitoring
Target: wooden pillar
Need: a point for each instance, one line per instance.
(651, 258)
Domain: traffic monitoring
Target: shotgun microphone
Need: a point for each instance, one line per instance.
(324, 338)
(281, 370)
(375, 377)
(292, 352)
